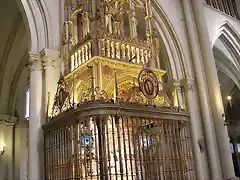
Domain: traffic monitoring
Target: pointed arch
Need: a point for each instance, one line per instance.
(172, 49)
(231, 40)
(37, 20)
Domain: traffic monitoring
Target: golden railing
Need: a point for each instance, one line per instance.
(82, 54)
(126, 49)
(116, 49)
(112, 141)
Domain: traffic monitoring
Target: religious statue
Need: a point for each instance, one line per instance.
(86, 24)
(108, 20)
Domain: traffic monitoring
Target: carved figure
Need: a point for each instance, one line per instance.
(86, 24)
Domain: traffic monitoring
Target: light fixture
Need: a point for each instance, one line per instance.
(2, 149)
(229, 98)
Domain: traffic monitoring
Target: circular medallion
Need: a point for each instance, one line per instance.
(148, 83)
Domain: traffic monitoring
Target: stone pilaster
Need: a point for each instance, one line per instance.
(51, 61)
(213, 90)
(36, 143)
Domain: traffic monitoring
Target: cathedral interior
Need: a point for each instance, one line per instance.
(119, 89)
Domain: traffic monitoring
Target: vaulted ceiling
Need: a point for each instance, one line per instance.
(13, 59)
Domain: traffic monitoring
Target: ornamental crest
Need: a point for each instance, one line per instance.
(148, 83)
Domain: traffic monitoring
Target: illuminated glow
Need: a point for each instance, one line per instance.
(229, 98)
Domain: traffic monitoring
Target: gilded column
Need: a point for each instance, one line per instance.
(36, 142)
(50, 59)
(213, 90)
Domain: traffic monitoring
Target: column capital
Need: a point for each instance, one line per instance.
(188, 84)
(8, 120)
(49, 57)
(34, 63)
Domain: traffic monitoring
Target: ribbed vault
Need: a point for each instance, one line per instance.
(13, 59)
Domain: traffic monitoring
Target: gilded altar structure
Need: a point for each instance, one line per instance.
(111, 118)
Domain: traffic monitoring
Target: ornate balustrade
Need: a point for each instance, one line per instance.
(123, 49)
(126, 141)
(82, 54)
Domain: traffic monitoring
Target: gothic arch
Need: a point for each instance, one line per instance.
(231, 40)
(38, 23)
(175, 64)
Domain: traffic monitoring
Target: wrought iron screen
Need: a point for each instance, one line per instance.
(117, 146)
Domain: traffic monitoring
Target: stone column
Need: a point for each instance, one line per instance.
(189, 87)
(21, 150)
(36, 143)
(51, 61)
(213, 90)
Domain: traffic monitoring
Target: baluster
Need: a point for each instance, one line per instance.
(142, 55)
(113, 49)
(86, 52)
(118, 50)
(90, 50)
(76, 60)
(72, 62)
(79, 57)
(133, 53)
(123, 51)
(83, 55)
(138, 55)
(128, 52)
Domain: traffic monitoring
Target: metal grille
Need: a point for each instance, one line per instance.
(113, 147)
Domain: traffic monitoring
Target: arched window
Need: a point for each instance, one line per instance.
(27, 104)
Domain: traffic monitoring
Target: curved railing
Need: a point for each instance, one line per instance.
(126, 141)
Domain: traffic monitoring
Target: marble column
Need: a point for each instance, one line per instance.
(36, 143)
(51, 62)
(213, 90)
